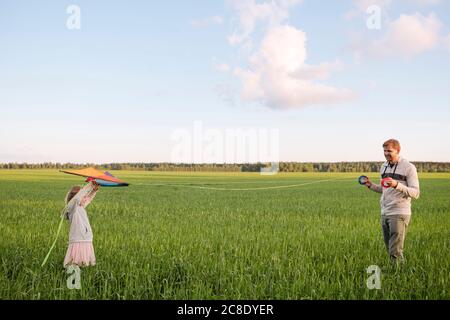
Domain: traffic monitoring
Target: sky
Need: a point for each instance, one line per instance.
(223, 80)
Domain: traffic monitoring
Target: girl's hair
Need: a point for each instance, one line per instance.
(72, 192)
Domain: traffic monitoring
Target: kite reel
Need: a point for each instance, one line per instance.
(363, 180)
(383, 182)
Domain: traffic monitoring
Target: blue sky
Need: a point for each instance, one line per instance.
(135, 73)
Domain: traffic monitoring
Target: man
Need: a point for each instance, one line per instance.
(396, 197)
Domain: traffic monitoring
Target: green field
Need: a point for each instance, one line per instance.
(168, 237)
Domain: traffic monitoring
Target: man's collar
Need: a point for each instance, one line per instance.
(391, 165)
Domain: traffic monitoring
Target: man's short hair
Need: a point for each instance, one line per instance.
(392, 142)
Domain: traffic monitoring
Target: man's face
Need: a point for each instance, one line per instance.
(391, 154)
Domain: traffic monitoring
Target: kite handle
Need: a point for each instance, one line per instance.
(363, 180)
(383, 181)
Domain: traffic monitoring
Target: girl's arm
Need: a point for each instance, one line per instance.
(82, 198)
(90, 194)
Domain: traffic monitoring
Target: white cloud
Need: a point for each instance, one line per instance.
(413, 34)
(202, 23)
(318, 72)
(278, 76)
(407, 36)
(250, 13)
(273, 71)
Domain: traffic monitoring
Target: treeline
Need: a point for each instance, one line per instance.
(244, 167)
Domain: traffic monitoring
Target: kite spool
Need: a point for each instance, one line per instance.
(363, 180)
(383, 182)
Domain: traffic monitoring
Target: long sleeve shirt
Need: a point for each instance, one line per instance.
(398, 200)
(80, 228)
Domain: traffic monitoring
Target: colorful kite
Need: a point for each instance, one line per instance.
(104, 179)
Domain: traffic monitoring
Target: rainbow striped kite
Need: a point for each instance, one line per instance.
(104, 179)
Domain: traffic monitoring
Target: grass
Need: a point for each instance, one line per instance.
(175, 241)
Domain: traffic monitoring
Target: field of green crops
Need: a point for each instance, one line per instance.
(182, 236)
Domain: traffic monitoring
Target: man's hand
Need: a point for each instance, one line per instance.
(391, 183)
(368, 183)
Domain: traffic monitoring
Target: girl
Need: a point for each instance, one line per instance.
(80, 251)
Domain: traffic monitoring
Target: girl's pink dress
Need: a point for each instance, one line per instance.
(81, 250)
(80, 254)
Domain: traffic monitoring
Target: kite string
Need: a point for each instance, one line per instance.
(240, 189)
(192, 186)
